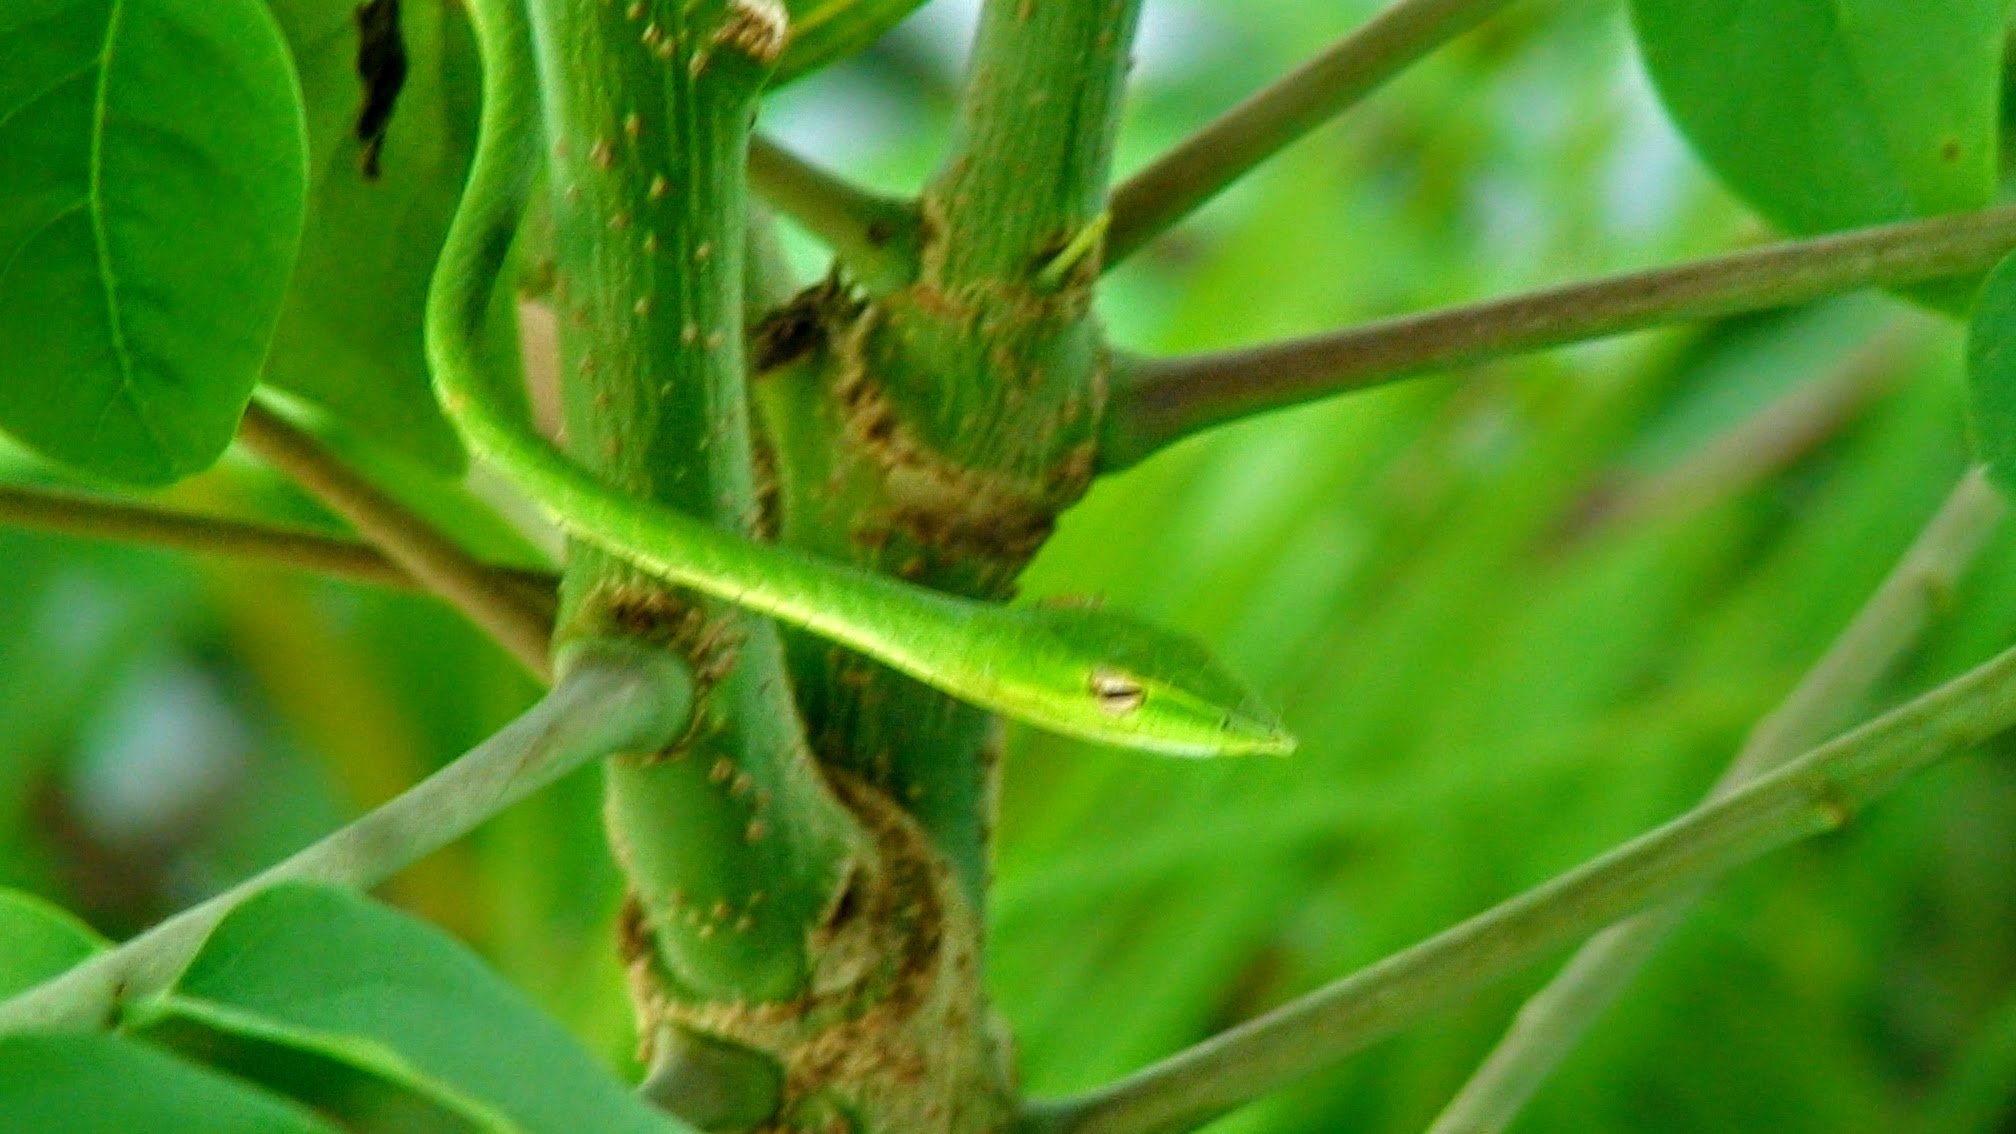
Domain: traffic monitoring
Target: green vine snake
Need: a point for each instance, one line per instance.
(1086, 673)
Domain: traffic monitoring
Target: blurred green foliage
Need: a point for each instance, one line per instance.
(1516, 614)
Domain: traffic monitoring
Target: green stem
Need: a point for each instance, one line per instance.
(443, 567)
(1157, 402)
(1819, 792)
(876, 237)
(987, 363)
(733, 846)
(952, 419)
(1887, 627)
(1154, 200)
(90, 517)
(611, 697)
(1029, 167)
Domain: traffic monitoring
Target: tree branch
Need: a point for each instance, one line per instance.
(1781, 433)
(1230, 146)
(612, 697)
(91, 517)
(650, 234)
(1888, 625)
(1032, 157)
(986, 370)
(876, 237)
(437, 562)
(1819, 792)
(1157, 402)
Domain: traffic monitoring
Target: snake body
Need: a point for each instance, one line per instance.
(1093, 674)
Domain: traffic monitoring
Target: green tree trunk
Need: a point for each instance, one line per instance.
(807, 872)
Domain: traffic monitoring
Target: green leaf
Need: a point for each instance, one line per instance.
(150, 208)
(353, 976)
(824, 31)
(351, 333)
(100, 1084)
(1831, 114)
(366, 1085)
(1991, 375)
(38, 941)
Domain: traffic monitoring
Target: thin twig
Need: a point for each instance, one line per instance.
(613, 696)
(875, 236)
(1231, 145)
(1779, 434)
(1888, 625)
(92, 517)
(1821, 791)
(1156, 402)
(501, 610)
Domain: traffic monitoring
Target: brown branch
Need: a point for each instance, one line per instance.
(442, 566)
(874, 236)
(1231, 145)
(1157, 402)
(90, 517)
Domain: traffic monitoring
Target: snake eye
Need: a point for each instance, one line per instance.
(1117, 693)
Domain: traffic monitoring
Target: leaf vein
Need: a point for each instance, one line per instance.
(122, 352)
(55, 85)
(35, 234)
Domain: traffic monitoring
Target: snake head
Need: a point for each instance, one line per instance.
(1140, 686)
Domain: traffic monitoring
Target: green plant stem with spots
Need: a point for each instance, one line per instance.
(733, 848)
(982, 361)
(939, 428)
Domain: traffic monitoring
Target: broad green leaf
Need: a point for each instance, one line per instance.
(1830, 114)
(1991, 375)
(100, 1084)
(38, 941)
(825, 31)
(350, 336)
(150, 210)
(325, 963)
(366, 1085)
